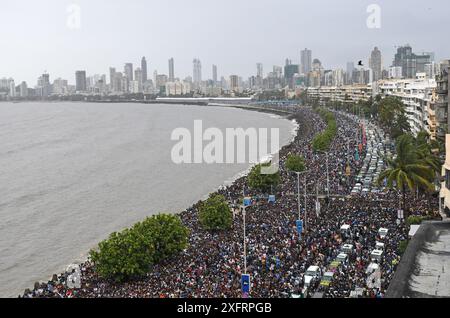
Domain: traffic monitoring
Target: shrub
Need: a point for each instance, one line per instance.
(132, 252)
(295, 163)
(403, 245)
(262, 182)
(322, 142)
(215, 214)
(414, 220)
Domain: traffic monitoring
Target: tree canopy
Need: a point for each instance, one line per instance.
(262, 182)
(215, 213)
(131, 252)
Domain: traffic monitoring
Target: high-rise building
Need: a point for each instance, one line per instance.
(112, 74)
(405, 59)
(289, 71)
(214, 74)
(442, 100)
(410, 62)
(80, 80)
(144, 69)
(43, 87)
(305, 61)
(171, 70)
(128, 71)
(12, 89)
(234, 83)
(23, 89)
(138, 79)
(197, 74)
(395, 72)
(259, 70)
(375, 62)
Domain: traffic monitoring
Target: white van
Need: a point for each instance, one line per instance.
(376, 255)
(383, 232)
(312, 275)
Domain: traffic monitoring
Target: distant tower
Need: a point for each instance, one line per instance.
(197, 72)
(80, 78)
(306, 61)
(144, 69)
(214, 73)
(259, 70)
(128, 70)
(171, 70)
(375, 64)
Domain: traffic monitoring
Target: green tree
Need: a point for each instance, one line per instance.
(295, 163)
(322, 142)
(167, 232)
(132, 252)
(407, 171)
(123, 255)
(215, 214)
(263, 182)
(392, 116)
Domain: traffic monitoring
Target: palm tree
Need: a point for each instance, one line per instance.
(408, 170)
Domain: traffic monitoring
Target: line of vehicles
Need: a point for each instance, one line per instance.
(315, 279)
(378, 149)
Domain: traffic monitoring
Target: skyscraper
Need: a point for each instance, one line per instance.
(171, 70)
(80, 80)
(214, 73)
(410, 62)
(144, 69)
(306, 61)
(259, 70)
(128, 71)
(375, 63)
(234, 83)
(197, 72)
(43, 86)
(112, 74)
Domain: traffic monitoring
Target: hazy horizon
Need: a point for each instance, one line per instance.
(233, 34)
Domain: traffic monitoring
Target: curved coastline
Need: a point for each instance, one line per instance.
(280, 114)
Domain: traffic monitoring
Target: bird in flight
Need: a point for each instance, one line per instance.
(360, 63)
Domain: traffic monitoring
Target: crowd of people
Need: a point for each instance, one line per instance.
(277, 257)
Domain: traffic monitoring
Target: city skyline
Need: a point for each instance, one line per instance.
(60, 50)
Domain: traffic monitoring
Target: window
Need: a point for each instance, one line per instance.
(447, 179)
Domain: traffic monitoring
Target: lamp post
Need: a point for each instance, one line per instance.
(245, 240)
(298, 199)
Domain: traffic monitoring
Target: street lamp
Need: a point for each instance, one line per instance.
(328, 173)
(298, 198)
(245, 245)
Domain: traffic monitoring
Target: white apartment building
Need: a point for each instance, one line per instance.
(395, 72)
(344, 94)
(416, 94)
(178, 88)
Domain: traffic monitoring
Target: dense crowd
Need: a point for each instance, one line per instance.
(277, 258)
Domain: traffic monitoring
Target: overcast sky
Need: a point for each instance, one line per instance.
(234, 34)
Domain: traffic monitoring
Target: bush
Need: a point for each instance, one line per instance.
(123, 255)
(403, 245)
(262, 182)
(295, 163)
(215, 214)
(414, 220)
(168, 234)
(132, 252)
(322, 142)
